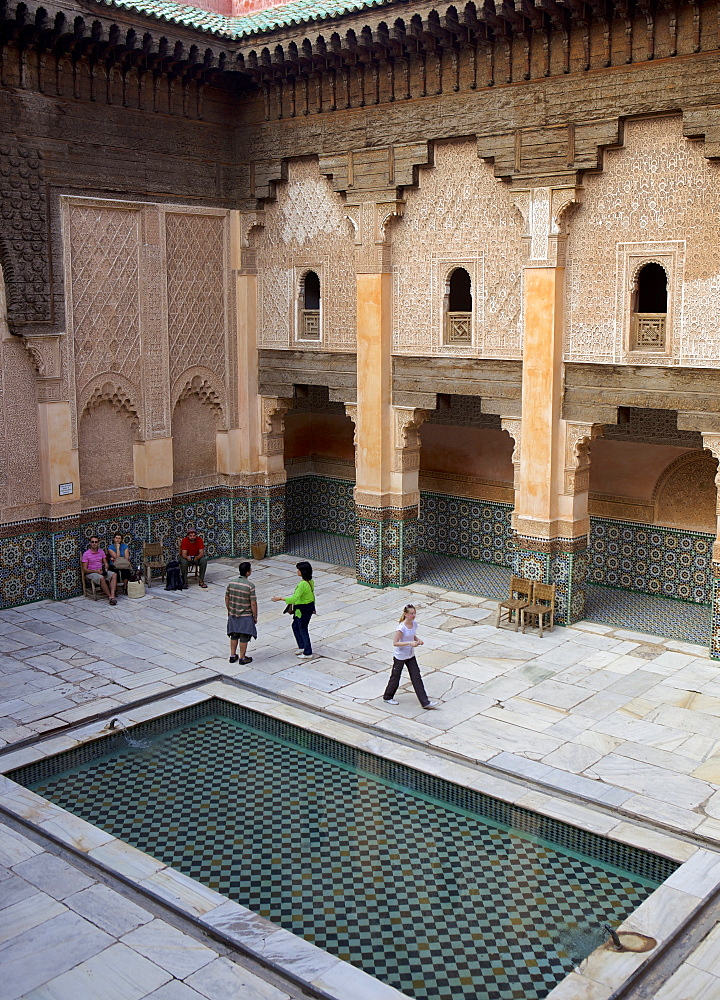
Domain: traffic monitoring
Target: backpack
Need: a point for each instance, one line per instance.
(173, 576)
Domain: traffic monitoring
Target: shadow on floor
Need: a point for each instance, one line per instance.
(617, 608)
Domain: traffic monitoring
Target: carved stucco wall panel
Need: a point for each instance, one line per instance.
(148, 299)
(102, 288)
(195, 263)
(20, 488)
(203, 359)
(656, 195)
(305, 225)
(460, 213)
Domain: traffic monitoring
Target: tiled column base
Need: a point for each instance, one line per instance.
(259, 516)
(386, 546)
(561, 561)
(67, 543)
(715, 619)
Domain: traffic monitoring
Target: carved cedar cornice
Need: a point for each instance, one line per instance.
(578, 437)
(408, 421)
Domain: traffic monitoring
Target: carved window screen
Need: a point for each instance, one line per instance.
(309, 325)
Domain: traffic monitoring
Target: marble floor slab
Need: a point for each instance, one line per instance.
(603, 711)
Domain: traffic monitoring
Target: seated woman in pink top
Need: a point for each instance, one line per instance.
(95, 568)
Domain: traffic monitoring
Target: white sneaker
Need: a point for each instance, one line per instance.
(299, 652)
(308, 656)
(391, 701)
(431, 704)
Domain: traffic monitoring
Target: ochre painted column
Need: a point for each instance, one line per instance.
(550, 518)
(374, 388)
(386, 511)
(252, 453)
(711, 442)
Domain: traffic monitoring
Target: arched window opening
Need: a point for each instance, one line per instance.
(649, 319)
(458, 308)
(310, 307)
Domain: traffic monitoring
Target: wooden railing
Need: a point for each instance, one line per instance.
(310, 324)
(648, 331)
(458, 329)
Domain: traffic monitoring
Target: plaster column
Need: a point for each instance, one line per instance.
(252, 454)
(59, 468)
(59, 465)
(386, 495)
(711, 442)
(153, 464)
(550, 519)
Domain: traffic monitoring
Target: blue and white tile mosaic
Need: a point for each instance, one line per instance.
(318, 503)
(471, 529)
(668, 562)
(44, 563)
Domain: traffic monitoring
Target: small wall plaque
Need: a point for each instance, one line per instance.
(65, 489)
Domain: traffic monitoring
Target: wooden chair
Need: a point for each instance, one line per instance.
(543, 605)
(520, 597)
(153, 560)
(90, 588)
(194, 568)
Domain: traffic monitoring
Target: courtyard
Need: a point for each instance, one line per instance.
(602, 727)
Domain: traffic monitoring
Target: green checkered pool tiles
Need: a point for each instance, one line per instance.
(424, 894)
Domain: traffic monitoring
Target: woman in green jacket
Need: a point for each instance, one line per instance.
(302, 604)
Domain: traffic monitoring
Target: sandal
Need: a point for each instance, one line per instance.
(203, 585)
(113, 601)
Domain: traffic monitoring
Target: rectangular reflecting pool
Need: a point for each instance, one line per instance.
(440, 891)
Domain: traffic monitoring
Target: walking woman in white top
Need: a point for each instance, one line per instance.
(404, 645)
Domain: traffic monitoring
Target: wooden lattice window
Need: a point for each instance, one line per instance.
(648, 328)
(309, 311)
(458, 308)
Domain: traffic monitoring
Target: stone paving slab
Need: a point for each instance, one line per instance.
(628, 719)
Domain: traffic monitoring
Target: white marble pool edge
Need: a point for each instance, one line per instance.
(661, 916)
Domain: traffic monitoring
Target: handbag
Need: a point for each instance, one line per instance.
(289, 609)
(122, 562)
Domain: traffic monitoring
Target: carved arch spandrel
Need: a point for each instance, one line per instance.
(686, 493)
(110, 387)
(204, 383)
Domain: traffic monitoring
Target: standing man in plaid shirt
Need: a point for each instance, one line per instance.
(242, 614)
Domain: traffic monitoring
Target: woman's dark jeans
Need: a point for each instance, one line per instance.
(300, 627)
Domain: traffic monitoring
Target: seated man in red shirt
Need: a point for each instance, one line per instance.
(192, 553)
(95, 568)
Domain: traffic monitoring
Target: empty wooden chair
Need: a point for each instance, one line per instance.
(520, 597)
(153, 560)
(542, 607)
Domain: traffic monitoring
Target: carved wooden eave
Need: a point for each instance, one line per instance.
(402, 30)
(115, 37)
(387, 35)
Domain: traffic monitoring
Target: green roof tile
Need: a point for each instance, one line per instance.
(296, 12)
